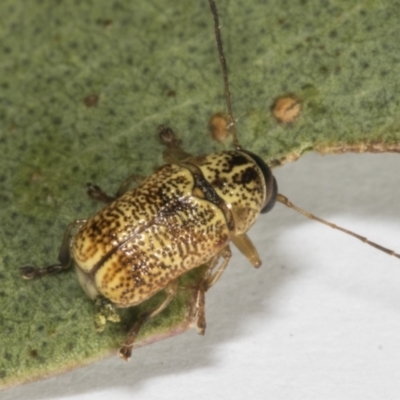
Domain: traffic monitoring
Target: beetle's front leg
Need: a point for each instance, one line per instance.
(174, 152)
(210, 278)
(126, 350)
(64, 257)
(246, 247)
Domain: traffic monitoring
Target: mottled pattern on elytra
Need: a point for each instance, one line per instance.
(148, 237)
(239, 182)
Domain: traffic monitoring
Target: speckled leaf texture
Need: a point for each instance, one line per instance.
(84, 84)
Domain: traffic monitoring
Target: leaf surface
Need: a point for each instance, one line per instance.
(84, 86)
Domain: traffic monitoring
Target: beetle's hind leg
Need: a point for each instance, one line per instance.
(174, 152)
(64, 257)
(210, 278)
(126, 350)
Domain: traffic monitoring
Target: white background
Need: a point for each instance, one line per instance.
(319, 320)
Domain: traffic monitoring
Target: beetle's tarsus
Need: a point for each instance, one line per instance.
(96, 193)
(168, 137)
(125, 352)
(28, 272)
(201, 323)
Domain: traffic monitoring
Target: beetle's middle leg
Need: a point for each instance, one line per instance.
(210, 278)
(64, 256)
(173, 154)
(126, 350)
(96, 193)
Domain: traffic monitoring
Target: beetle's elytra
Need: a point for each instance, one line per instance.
(184, 215)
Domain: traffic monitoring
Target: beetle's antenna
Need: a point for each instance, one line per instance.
(217, 30)
(286, 202)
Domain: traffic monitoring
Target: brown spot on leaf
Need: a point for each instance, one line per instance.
(36, 176)
(218, 126)
(105, 22)
(34, 353)
(171, 93)
(12, 126)
(91, 100)
(286, 109)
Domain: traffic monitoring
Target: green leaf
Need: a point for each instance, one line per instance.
(84, 86)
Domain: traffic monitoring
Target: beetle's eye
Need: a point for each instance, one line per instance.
(269, 204)
(270, 182)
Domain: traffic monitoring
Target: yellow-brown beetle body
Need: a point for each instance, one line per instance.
(181, 217)
(177, 219)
